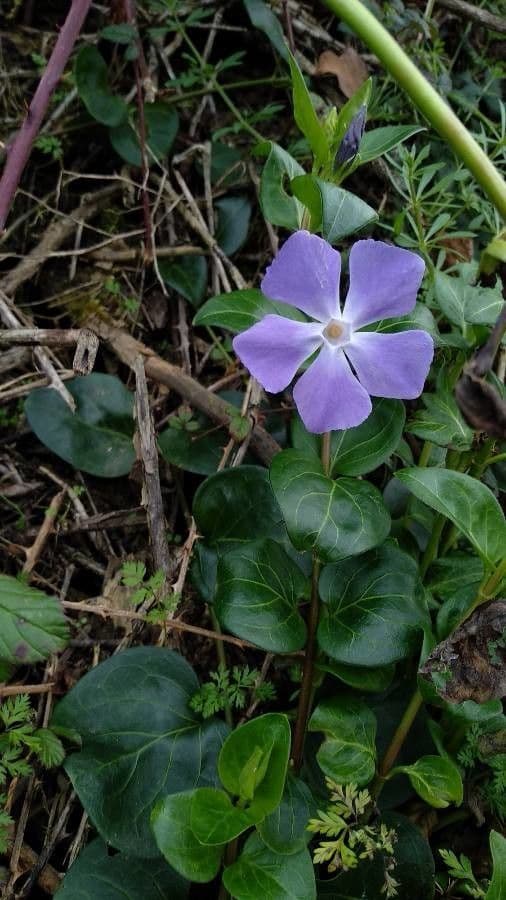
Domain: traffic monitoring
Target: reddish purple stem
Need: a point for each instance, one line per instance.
(19, 151)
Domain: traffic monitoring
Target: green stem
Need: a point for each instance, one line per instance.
(212, 87)
(428, 101)
(425, 452)
(396, 743)
(306, 688)
(432, 547)
(489, 587)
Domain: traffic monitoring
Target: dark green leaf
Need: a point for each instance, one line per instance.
(263, 18)
(497, 886)
(97, 876)
(32, 625)
(452, 573)
(372, 615)
(468, 503)
(261, 873)
(239, 310)
(335, 212)
(305, 116)
(214, 820)
(374, 679)
(197, 451)
(359, 450)
(140, 742)
(257, 593)
(335, 518)
(91, 78)
(441, 421)
(187, 275)
(380, 140)
(260, 748)
(234, 214)
(237, 505)
(348, 753)
(284, 829)
(97, 437)
(436, 779)
(119, 34)
(277, 205)
(162, 123)
(170, 821)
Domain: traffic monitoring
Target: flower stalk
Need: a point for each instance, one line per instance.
(306, 690)
(428, 101)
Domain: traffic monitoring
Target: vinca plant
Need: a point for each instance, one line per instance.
(356, 564)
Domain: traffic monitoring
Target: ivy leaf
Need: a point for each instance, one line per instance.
(261, 873)
(334, 518)
(170, 821)
(97, 437)
(97, 876)
(257, 593)
(239, 310)
(436, 779)
(372, 614)
(32, 625)
(468, 503)
(140, 742)
(348, 753)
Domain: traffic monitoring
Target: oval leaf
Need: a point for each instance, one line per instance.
(380, 140)
(348, 753)
(277, 205)
(162, 123)
(372, 615)
(170, 821)
(187, 275)
(468, 503)
(335, 212)
(237, 505)
(140, 742)
(239, 310)
(234, 214)
(497, 886)
(257, 593)
(214, 820)
(259, 748)
(97, 437)
(32, 625)
(285, 829)
(436, 779)
(97, 876)
(334, 518)
(91, 78)
(261, 873)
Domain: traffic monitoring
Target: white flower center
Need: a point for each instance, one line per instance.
(337, 333)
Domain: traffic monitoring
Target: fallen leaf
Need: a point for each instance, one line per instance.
(349, 69)
(471, 662)
(458, 250)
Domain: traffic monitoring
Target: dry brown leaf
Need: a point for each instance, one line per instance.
(349, 69)
(458, 250)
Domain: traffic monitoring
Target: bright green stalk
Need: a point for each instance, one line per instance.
(428, 101)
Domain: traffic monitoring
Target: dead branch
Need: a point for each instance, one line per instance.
(128, 349)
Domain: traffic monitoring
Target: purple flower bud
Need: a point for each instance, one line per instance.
(350, 143)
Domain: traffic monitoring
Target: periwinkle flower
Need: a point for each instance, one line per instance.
(352, 365)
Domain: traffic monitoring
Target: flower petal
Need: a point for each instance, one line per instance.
(328, 396)
(306, 273)
(391, 365)
(384, 282)
(274, 348)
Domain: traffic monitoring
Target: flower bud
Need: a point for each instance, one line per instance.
(350, 143)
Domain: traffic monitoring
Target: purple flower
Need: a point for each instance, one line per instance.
(384, 281)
